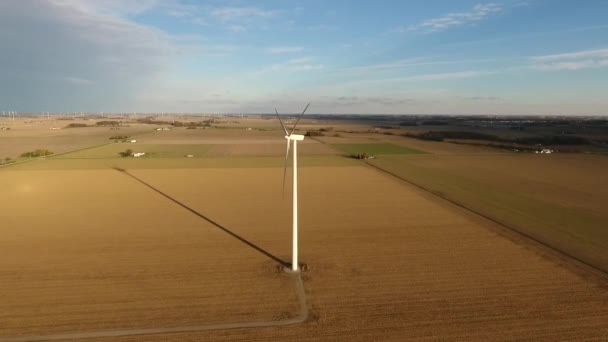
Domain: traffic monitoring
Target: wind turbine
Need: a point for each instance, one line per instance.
(289, 136)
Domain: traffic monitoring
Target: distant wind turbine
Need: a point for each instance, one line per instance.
(289, 136)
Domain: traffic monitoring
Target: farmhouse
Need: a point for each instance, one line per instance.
(545, 151)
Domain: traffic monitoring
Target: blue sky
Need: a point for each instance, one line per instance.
(409, 57)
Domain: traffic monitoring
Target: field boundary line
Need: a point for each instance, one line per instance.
(319, 155)
(514, 231)
(53, 155)
(300, 318)
(59, 154)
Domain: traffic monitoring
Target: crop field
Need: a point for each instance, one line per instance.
(386, 260)
(151, 150)
(111, 254)
(212, 136)
(558, 199)
(170, 248)
(376, 149)
(407, 143)
(307, 148)
(214, 148)
(24, 137)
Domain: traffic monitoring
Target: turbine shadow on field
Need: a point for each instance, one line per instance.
(226, 230)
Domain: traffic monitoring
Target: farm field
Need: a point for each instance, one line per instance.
(151, 150)
(112, 254)
(376, 149)
(432, 147)
(201, 145)
(24, 137)
(558, 199)
(386, 260)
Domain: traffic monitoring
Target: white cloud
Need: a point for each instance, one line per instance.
(109, 7)
(578, 60)
(600, 53)
(283, 49)
(234, 19)
(407, 64)
(240, 13)
(477, 13)
(419, 78)
(293, 65)
(57, 46)
(447, 76)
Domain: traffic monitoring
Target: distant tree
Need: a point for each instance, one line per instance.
(126, 153)
(108, 123)
(76, 125)
(36, 153)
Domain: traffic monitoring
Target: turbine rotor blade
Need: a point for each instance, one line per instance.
(299, 117)
(281, 121)
(285, 165)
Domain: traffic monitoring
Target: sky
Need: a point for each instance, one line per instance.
(523, 57)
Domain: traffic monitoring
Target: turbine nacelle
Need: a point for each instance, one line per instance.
(296, 137)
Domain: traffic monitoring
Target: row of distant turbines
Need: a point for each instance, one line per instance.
(11, 114)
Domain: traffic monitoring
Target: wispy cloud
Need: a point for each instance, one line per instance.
(277, 50)
(294, 65)
(477, 13)
(447, 76)
(234, 19)
(90, 47)
(482, 98)
(578, 60)
(390, 81)
(77, 80)
(108, 7)
(380, 100)
(323, 27)
(240, 13)
(527, 35)
(417, 62)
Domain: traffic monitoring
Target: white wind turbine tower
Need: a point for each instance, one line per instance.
(289, 136)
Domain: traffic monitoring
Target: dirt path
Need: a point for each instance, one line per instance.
(300, 318)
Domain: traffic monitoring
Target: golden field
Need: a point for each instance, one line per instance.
(85, 248)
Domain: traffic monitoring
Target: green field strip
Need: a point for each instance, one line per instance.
(180, 163)
(151, 151)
